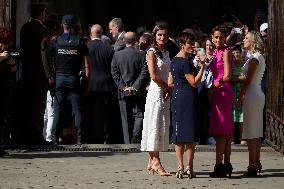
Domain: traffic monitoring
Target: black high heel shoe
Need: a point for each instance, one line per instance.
(179, 173)
(219, 171)
(259, 167)
(251, 171)
(228, 169)
(191, 174)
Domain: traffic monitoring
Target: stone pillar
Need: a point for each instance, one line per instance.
(2, 12)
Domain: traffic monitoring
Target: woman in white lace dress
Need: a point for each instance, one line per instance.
(253, 99)
(155, 134)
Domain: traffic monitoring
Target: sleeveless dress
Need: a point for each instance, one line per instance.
(221, 122)
(184, 126)
(254, 100)
(156, 122)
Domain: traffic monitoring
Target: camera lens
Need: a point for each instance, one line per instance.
(14, 54)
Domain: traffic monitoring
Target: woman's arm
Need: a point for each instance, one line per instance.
(151, 60)
(193, 81)
(247, 80)
(170, 80)
(227, 57)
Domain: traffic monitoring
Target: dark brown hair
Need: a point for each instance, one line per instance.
(186, 37)
(219, 29)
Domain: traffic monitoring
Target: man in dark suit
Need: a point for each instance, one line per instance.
(116, 28)
(35, 82)
(103, 104)
(129, 70)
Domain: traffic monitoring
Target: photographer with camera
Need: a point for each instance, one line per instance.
(7, 77)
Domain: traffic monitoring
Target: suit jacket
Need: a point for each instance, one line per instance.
(101, 55)
(31, 36)
(129, 69)
(119, 44)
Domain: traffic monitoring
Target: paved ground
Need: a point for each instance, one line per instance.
(123, 166)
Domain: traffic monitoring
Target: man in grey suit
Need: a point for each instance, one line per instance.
(130, 73)
(116, 28)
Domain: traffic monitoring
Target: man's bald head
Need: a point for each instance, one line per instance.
(129, 38)
(96, 31)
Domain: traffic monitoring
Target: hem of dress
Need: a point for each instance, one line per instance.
(154, 150)
(222, 134)
(253, 137)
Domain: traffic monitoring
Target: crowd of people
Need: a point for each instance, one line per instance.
(129, 87)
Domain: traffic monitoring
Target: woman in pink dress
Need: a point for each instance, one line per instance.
(221, 96)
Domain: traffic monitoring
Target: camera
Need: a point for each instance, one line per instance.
(14, 55)
(238, 30)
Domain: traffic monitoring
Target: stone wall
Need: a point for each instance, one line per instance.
(275, 71)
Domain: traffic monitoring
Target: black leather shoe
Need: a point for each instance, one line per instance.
(54, 140)
(228, 169)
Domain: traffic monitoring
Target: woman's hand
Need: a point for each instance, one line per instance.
(167, 93)
(4, 55)
(201, 59)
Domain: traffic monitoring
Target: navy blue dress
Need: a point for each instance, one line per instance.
(183, 103)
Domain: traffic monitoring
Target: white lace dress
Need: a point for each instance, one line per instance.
(156, 122)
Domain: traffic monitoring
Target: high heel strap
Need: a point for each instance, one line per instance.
(259, 167)
(149, 165)
(180, 172)
(161, 171)
(190, 172)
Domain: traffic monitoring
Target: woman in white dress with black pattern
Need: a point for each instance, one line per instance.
(156, 122)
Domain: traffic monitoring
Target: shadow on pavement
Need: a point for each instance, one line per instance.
(31, 155)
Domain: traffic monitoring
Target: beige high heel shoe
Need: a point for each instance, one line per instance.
(159, 169)
(162, 172)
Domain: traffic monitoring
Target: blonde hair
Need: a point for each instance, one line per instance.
(257, 42)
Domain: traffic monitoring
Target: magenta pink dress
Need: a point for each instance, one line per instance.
(221, 122)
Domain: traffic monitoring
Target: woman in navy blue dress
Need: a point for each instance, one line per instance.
(184, 79)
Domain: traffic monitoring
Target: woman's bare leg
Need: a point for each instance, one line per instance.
(227, 154)
(220, 148)
(179, 148)
(190, 149)
(258, 147)
(150, 161)
(252, 151)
